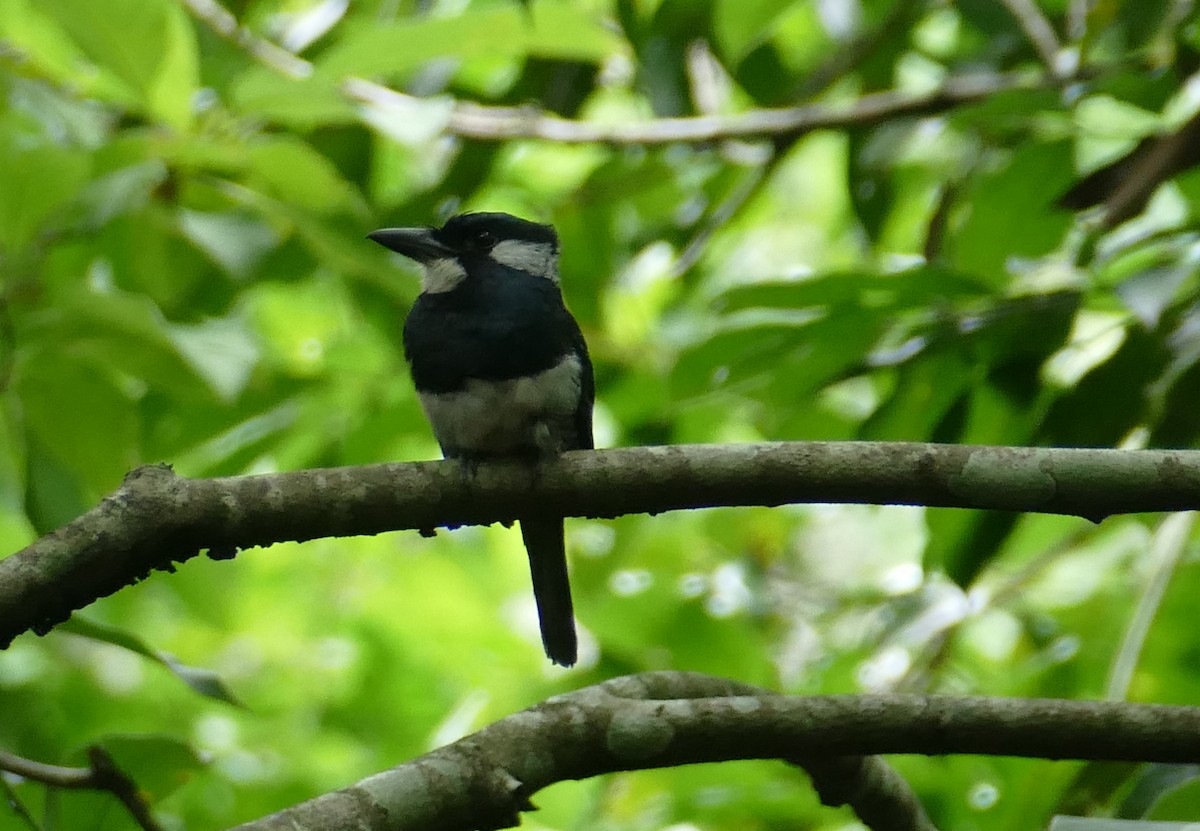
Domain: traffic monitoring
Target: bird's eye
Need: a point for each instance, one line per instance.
(484, 241)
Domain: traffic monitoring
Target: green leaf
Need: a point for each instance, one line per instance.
(51, 391)
(38, 182)
(308, 102)
(293, 172)
(1010, 213)
(86, 810)
(1111, 399)
(171, 92)
(148, 44)
(235, 240)
(30, 29)
(122, 332)
(921, 286)
(782, 351)
(1103, 824)
(1109, 117)
(558, 30)
(125, 189)
(158, 764)
(54, 494)
(923, 393)
(741, 25)
(221, 351)
(203, 681)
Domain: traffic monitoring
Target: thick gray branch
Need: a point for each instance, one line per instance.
(158, 518)
(669, 719)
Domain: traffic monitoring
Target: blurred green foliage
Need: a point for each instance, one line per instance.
(184, 278)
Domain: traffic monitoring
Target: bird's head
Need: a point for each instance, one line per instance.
(466, 244)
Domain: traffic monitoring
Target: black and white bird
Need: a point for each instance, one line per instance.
(501, 369)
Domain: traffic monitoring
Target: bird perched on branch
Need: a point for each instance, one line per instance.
(501, 369)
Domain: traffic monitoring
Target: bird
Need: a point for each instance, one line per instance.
(502, 370)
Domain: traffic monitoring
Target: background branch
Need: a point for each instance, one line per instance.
(102, 775)
(666, 719)
(1039, 31)
(486, 123)
(504, 123)
(158, 518)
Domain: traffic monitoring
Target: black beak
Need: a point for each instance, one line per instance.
(415, 243)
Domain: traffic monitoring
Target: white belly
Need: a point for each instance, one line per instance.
(508, 418)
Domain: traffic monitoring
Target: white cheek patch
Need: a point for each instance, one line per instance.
(537, 258)
(512, 417)
(442, 275)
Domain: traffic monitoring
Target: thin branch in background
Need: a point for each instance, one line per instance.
(1039, 31)
(54, 775)
(1123, 187)
(486, 123)
(935, 231)
(503, 123)
(1166, 551)
(1077, 20)
(725, 211)
(222, 21)
(707, 79)
(915, 679)
(841, 63)
(103, 775)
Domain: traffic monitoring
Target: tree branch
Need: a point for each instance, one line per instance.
(484, 123)
(221, 20)
(504, 123)
(157, 518)
(1038, 30)
(103, 775)
(668, 719)
(1125, 186)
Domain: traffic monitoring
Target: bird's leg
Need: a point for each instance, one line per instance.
(546, 448)
(468, 470)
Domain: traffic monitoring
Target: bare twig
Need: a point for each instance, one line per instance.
(103, 775)
(1039, 31)
(54, 775)
(501, 123)
(1124, 187)
(1077, 19)
(841, 63)
(706, 78)
(939, 220)
(222, 21)
(742, 192)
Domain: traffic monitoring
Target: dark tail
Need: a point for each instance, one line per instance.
(543, 538)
